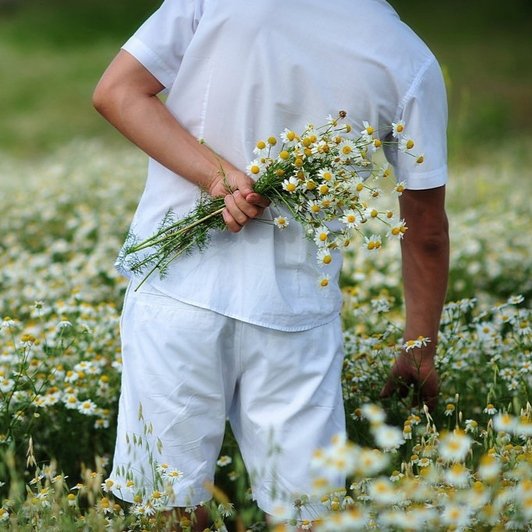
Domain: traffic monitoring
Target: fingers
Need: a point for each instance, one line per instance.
(395, 385)
(257, 199)
(424, 381)
(427, 390)
(238, 211)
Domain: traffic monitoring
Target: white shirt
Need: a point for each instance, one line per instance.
(238, 71)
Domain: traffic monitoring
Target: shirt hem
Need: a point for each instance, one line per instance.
(259, 323)
(424, 181)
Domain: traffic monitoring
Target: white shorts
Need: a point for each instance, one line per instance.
(187, 369)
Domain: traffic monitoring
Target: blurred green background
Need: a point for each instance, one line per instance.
(52, 52)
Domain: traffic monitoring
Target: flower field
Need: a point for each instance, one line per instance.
(468, 466)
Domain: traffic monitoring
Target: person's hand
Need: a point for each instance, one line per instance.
(241, 203)
(412, 370)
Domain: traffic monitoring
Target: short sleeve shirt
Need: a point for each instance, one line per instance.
(238, 71)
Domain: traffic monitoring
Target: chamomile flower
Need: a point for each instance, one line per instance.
(324, 281)
(291, 184)
(457, 475)
(313, 206)
(398, 128)
(489, 468)
(87, 407)
(224, 461)
(321, 236)
(351, 218)
(281, 222)
(372, 243)
(398, 230)
(324, 256)
(471, 426)
(406, 144)
(326, 174)
(347, 149)
(289, 137)
(454, 446)
(504, 423)
(399, 188)
(373, 413)
(260, 148)
(368, 129)
(255, 168)
(490, 409)
(382, 491)
(388, 437)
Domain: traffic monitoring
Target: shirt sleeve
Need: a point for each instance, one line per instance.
(424, 113)
(160, 43)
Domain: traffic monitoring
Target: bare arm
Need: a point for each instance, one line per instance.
(127, 97)
(425, 254)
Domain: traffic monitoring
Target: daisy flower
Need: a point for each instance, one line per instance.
(323, 281)
(398, 128)
(347, 149)
(454, 446)
(224, 460)
(457, 475)
(313, 206)
(406, 144)
(281, 222)
(488, 468)
(86, 407)
(351, 218)
(260, 148)
(490, 409)
(326, 174)
(321, 235)
(291, 184)
(324, 256)
(372, 243)
(289, 137)
(373, 413)
(255, 168)
(387, 437)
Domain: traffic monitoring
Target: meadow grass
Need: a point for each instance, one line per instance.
(64, 218)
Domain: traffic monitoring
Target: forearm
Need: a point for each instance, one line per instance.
(425, 274)
(425, 255)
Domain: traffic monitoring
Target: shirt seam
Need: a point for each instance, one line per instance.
(414, 85)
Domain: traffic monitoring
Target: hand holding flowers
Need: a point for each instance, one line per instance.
(320, 177)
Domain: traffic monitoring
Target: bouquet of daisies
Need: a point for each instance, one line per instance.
(319, 175)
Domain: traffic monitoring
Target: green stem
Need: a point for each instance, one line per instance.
(150, 242)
